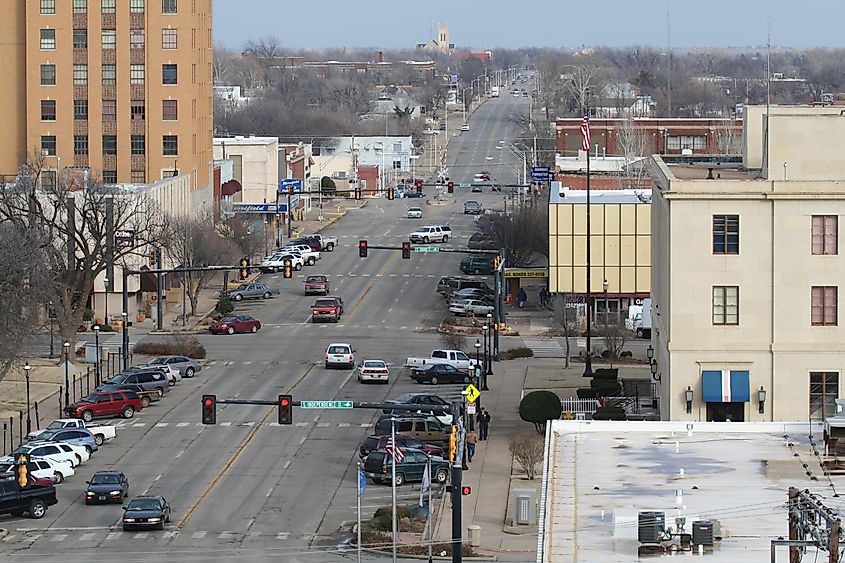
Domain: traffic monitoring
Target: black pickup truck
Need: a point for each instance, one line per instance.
(34, 500)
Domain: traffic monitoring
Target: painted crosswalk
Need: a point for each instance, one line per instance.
(115, 535)
(544, 347)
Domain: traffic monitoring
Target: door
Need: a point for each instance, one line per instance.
(8, 495)
(726, 412)
(421, 433)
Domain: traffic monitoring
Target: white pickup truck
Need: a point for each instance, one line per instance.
(102, 432)
(326, 243)
(454, 358)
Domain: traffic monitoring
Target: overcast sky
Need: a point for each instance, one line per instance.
(535, 23)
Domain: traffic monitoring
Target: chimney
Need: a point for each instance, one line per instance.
(379, 56)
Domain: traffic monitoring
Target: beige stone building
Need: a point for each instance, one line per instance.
(120, 87)
(746, 273)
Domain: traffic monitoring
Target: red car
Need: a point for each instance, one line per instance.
(317, 284)
(106, 403)
(231, 325)
(328, 308)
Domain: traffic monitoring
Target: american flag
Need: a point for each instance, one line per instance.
(394, 451)
(585, 132)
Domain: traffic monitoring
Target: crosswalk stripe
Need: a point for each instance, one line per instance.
(198, 535)
(544, 348)
(87, 537)
(282, 535)
(58, 537)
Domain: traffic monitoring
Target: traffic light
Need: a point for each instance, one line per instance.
(453, 443)
(362, 248)
(244, 271)
(419, 185)
(357, 193)
(406, 250)
(496, 261)
(152, 257)
(22, 474)
(466, 490)
(450, 187)
(287, 269)
(390, 194)
(285, 409)
(209, 409)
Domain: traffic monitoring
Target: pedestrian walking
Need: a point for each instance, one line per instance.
(472, 439)
(542, 297)
(522, 297)
(483, 424)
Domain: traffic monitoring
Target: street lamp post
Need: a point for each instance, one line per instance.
(604, 287)
(97, 352)
(26, 370)
(125, 316)
(486, 330)
(66, 346)
(489, 348)
(50, 314)
(106, 296)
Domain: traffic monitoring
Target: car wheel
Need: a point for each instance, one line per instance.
(312, 261)
(87, 416)
(434, 381)
(467, 379)
(330, 247)
(400, 478)
(230, 330)
(327, 365)
(128, 412)
(90, 450)
(253, 329)
(126, 528)
(145, 402)
(160, 392)
(189, 372)
(440, 476)
(373, 479)
(37, 509)
(266, 295)
(425, 240)
(445, 238)
(98, 439)
(238, 297)
(59, 477)
(297, 267)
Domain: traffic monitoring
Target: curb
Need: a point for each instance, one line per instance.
(3, 533)
(433, 556)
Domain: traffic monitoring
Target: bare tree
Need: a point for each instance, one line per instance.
(633, 143)
(583, 85)
(728, 137)
(615, 335)
(523, 233)
(527, 450)
(565, 319)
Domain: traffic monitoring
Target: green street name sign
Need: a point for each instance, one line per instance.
(325, 404)
(426, 249)
(464, 185)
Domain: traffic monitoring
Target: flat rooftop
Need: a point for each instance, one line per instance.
(701, 171)
(602, 474)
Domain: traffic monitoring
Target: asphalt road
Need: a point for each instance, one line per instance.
(248, 488)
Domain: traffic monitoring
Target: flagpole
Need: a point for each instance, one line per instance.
(430, 520)
(358, 487)
(588, 362)
(393, 481)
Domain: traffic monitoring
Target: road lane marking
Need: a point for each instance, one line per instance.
(112, 535)
(225, 424)
(282, 535)
(302, 441)
(270, 490)
(161, 424)
(302, 424)
(198, 535)
(322, 425)
(58, 537)
(348, 377)
(141, 535)
(183, 424)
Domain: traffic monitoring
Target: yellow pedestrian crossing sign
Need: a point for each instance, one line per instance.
(472, 393)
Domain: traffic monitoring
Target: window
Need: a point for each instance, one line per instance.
(109, 74)
(136, 74)
(725, 305)
(109, 38)
(108, 6)
(110, 176)
(138, 177)
(48, 145)
(692, 142)
(80, 144)
(48, 39)
(109, 110)
(168, 6)
(139, 144)
(136, 6)
(48, 75)
(824, 390)
(168, 74)
(48, 110)
(169, 173)
(169, 110)
(168, 38)
(169, 145)
(48, 7)
(823, 306)
(80, 38)
(80, 6)
(109, 144)
(80, 109)
(136, 109)
(725, 234)
(80, 75)
(825, 231)
(136, 38)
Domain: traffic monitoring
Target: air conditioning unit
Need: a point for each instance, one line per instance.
(651, 526)
(702, 532)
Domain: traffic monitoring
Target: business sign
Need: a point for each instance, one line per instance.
(124, 238)
(265, 207)
(290, 185)
(526, 273)
(541, 173)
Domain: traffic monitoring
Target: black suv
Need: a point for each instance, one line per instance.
(477, 265)
(412, 467)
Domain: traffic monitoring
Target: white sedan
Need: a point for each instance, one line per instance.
(373, 370)
(42, 468)
(414, 213)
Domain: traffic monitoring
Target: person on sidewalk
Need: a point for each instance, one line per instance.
(542, 297)
(472, 439)
(483, 424)
(522, 297)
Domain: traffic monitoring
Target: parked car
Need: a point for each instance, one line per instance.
(308, 254)
(373, 370)
(379, 467)
(147, 397)
(277, 261)
(33, 501)
(327, 243)
(472, 207)
(107, 487)
(41, 468)
(474, 307)
(481, 241)
(149, 379)
(473, 293)
(75, 436)
(448, 283)
(188, 366)
(465, 283)
(422, 400)
(102, 432)
(318, 284)
(252, 291)
(327, 308)
(340, 354)
(415, 213)
(429, 233)
(231, 325)
(376, 442)
(313, 243)
(146, 512)
(439, 373)
(464, 126)
(425, 428)
(54, 451)
(111, 403)
(476, 265)
(455, 358)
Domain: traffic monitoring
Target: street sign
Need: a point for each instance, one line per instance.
(472, 393)
(290, 185)
(464, 185)
(471, 408)
(426, 249)
(326, 404)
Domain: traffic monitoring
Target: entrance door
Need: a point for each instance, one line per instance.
(724, 412)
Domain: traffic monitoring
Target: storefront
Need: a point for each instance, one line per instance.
(725, 393)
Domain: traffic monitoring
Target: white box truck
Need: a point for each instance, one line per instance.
(494, 92)
(641, 323)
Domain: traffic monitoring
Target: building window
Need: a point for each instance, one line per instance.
(168, 74)
(139, 177)
(80, 75)
(725, 234)
(725, 305)
(80, 6)
(681, 142)
(109, 38)
(48, 110)
(193, 74)
(80, 145)
(48, 75)
(109, 74)
(48, 145)
(823, 306)
(109, 144)
(824, 390)
(169, 110)
(136, 109)
(170, 145)
(136, 38)
(109, 110)
(110, 176)
(48, 39)
(168, 38)
(48, 7)
(80, 109)
(825, 232)
(80, 38)
(139, 144)
(169, 173)
(136, 6)
(168, 6)
(108, 6)
(136, 74)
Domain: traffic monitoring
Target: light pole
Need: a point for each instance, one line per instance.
(106, 296)
(125, 316)
(97, 351)
(66, 346)
(489, 349)
(26, 370)
(477, 380)
(604, 286)
(486, 331)
(50, 314)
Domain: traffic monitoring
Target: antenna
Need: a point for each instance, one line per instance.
(668, 63)
(765, 163)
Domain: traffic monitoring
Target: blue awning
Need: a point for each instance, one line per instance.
(725, 386)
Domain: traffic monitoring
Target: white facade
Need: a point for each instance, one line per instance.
(255, 164)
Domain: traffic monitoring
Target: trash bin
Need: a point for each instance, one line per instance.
(474, 535)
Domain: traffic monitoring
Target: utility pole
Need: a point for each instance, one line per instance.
(457, 493)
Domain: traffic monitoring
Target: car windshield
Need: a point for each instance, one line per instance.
(143, 504)
(56, 424)
(338, 349)
(315, 279)
(325, 303)
(105, 479)
(374, 364)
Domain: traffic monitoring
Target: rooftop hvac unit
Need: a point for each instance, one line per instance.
(650, 526)
(702, 532)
